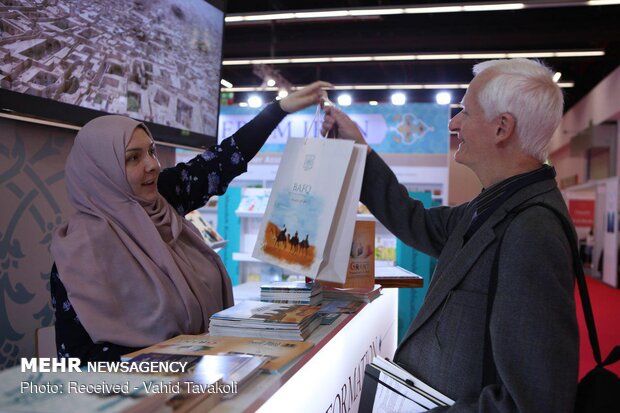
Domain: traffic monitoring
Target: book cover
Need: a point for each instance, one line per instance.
(209, 234)
(361, 268)
(386, 383)
(278, 352)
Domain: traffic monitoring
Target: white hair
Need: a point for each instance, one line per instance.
(525, 89)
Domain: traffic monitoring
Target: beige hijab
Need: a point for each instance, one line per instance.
(136, 272)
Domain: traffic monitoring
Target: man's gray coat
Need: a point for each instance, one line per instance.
(533, 327)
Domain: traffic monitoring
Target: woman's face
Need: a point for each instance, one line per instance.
(142, 166)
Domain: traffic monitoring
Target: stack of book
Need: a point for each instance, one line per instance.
(388, 384)
(365, 295)
(295, 292)
(266, 320)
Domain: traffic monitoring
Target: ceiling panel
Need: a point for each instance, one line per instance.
(559, 28)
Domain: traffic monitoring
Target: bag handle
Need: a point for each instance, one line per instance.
(319, 119)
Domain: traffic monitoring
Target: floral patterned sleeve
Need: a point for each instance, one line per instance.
(72, 339)
(188, 186)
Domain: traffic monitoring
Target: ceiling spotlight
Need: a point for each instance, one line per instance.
(443, 98)
(344, 100)
(557, 76)
(373, 102)
(271, 82)
(398, 98)
(243, 104)
(282, 93)
(255, 101)
(225, 83)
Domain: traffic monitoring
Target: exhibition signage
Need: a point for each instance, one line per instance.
(413, 138)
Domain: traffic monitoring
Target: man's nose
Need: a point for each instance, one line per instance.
(454, 123)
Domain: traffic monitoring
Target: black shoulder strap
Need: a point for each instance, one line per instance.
(489, 367)
(581, 279)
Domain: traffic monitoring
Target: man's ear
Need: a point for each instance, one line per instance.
(506, 125)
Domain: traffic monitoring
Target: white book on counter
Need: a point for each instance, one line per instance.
(386, 383)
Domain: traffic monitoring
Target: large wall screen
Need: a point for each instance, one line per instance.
(154, 60)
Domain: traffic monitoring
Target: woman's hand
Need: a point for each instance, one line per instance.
(307, 96)
(335, 119)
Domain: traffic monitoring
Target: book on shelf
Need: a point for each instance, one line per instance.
(266, 320)
(279, 352)
(209, 234)
(387, 384)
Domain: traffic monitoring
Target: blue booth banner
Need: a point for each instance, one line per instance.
(413, 139)
(414, 128)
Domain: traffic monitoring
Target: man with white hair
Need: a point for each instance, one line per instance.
(519, 349)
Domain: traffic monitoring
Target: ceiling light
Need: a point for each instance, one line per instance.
(282, 93)
(375, 12)
(265, 18)
(243, 104)
(443, 98)
(321, 14)
(436, 9)
(557, 76)
(373, 102)
(409, 86)
(255, 101)
(445, 86)
(271, 82)
(483, 56)
(603, 2)
(310, 60)
(344, 100)
(580, 53)
(225, 83)
(421, 56)
(351, 59)
(531, 55)
(398, 98)
(273, 16)
(394, 57)
(493, 7)
(448, 56)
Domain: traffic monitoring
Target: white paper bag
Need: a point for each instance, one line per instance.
(309, 221)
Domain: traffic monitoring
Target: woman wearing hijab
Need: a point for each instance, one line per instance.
(129, 270)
